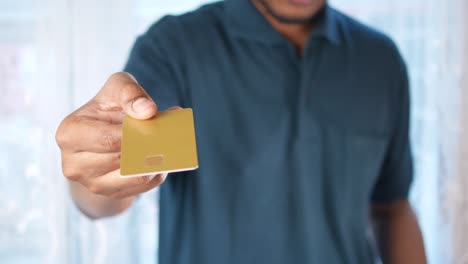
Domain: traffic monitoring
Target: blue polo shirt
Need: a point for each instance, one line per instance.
(292, 150)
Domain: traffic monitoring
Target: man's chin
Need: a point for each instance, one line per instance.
(291, 20)
(287, 18)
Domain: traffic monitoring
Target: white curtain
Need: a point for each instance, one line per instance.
(55, 55)
(432, 36)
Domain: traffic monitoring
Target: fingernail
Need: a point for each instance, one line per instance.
(150, 178)
(141, 104)
(175, 108)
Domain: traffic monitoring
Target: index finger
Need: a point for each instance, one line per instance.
(91, 135)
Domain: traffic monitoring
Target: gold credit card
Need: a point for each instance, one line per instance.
(165, 143)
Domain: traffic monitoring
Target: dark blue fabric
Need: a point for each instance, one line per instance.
(292, 150)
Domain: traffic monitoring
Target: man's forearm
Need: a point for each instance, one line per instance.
(97, 206)
(398, 234)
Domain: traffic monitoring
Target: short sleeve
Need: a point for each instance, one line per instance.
(155, 67)
(396, 175)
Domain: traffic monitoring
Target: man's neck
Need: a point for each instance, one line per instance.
(296, 33)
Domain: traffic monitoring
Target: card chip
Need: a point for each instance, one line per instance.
(165, 143)
(154, 160)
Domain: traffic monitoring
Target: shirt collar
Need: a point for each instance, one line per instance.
(245, 21)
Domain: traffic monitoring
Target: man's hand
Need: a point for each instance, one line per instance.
(90, 138)
(398, 234)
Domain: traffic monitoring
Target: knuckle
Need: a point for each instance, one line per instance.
(71, 172)
(95, 188)
(61, 135)
(65, 136)
(159, 179)
(116, 75)
(129, 91)
(121, 76)
(60, 139)
(142, 180)
(117, 195)
(151, 186)
(118, 82)
(110, 140)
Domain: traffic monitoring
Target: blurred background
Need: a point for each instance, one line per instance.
(56, 54)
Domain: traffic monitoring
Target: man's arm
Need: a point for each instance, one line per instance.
(90, 140)
(97, 206)
(398, 234)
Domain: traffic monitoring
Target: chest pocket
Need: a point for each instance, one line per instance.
(350, 129)
(363, 160)
(351, 110)
(344, 163)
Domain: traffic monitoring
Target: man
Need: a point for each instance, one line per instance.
(301, 116)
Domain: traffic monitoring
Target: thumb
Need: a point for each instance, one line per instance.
(123, 90)
(141, 108)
